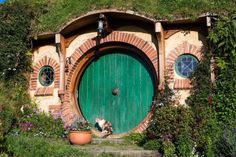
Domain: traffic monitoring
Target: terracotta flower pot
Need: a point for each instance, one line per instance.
(80, 137)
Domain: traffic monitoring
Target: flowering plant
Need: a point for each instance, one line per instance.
(80, 124)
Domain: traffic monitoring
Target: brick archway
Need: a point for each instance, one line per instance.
(184, 48)
(115, 37)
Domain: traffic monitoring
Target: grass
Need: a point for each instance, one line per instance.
(27, 146)
(55, 13)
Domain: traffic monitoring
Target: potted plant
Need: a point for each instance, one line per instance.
(80, 132)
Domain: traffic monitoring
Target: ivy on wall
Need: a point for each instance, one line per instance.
(223, 37)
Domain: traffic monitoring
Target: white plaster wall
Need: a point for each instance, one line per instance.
(192, 37)
(139, 32)
(181, 96)
(40, 53)
(44, 101)
(177, 39)
(78, 41)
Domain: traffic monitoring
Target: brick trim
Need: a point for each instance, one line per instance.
(182, 84)
(184, 48)
(34, 75)
(118, 37)
(44, 91)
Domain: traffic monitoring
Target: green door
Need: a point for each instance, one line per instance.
(118, 87)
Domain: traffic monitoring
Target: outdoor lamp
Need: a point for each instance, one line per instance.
(100, 28)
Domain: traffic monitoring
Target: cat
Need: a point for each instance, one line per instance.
(104, 126)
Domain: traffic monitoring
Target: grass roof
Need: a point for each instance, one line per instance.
(55, 13)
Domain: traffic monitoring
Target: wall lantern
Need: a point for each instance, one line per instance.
(101, 25)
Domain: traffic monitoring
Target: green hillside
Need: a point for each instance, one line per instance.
(53, 14)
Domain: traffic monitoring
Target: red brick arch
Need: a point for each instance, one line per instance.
(184, 48)
(119, 37)
(45, 61)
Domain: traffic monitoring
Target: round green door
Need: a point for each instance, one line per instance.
(118, 87)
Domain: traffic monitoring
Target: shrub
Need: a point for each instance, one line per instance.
(227, 143)
(171, 126)
(136, 138)
(206, 131)
(184, 144)
(15, 26)
(169, 121)
(223, 40)
(7, 118)
(28, 146)
(38, 123)
(168, 149)
(155, 144)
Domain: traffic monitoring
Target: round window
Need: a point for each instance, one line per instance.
(185, 65)
(46, 76)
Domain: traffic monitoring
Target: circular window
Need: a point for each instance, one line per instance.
(185, 65)
(46, 76)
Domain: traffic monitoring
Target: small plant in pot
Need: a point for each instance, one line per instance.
(80, 132)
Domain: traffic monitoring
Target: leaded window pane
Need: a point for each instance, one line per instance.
(185, 65)
(46, 76)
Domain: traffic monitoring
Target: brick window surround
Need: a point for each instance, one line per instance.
(116, 36)
(44, 91)
(184, 48)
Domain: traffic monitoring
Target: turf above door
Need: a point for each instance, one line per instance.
(118, 87)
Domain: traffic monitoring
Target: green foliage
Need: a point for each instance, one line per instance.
(169, 121)
(214, 104)
(184, 144)
(136, 138)
(209, 148)
(165, 97)
(36, 123)
(155, 144)
(168, 149)
(80, 124)
(201, 82)
(12, 97)
(15, 27)
(171, 126)
(206, 131)
(223, 39)
(28, 146)
(7, 118)
(227, 144)
(53, 14)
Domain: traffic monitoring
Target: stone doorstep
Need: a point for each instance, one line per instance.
(128, 153)
(121, 152)
(107, 140)
(116, 147)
